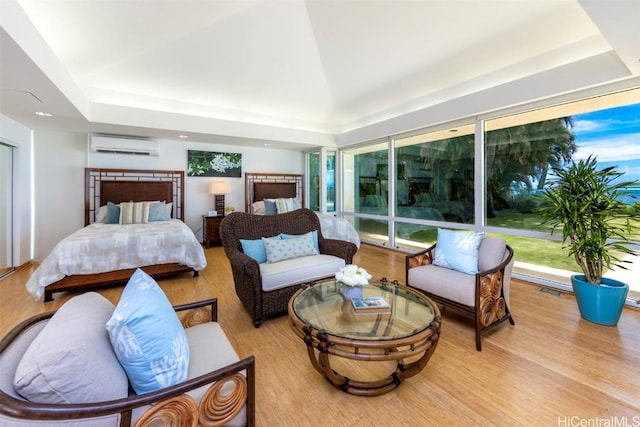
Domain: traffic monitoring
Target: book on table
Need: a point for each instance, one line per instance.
(370, 305)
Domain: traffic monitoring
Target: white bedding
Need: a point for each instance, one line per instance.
(334, 227)
(99, 248)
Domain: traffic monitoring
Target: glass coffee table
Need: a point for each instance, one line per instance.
(404, 335)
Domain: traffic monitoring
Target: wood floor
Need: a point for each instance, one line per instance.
(550, 369)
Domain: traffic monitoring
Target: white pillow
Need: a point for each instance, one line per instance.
(71, 360)
(101, 215)
(258, 208)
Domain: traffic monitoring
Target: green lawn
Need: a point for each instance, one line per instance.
(531, 250)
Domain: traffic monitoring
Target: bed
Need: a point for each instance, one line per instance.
(102, 254)
(261, 186)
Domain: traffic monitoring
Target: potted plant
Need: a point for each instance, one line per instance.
(584, 202)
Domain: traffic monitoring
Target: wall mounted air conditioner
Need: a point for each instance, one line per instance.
(117, 144)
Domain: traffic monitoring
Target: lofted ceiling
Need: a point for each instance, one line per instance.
(292, 72)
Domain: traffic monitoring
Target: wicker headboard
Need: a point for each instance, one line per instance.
(124, 185)
(260, 186)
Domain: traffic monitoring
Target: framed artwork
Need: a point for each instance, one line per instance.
(209, 163)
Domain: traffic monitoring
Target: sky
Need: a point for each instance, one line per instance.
(613, 135)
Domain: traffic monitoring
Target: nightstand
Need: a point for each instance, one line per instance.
(211, 230)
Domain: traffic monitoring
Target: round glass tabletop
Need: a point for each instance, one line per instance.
(385, 310)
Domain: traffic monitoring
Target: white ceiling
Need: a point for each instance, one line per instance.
(289, 71)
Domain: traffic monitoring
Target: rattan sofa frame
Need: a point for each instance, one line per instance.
(246, 271)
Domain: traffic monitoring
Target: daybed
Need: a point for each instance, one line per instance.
(266, 287)
(472, 277)
(78, 363)
(102, 253)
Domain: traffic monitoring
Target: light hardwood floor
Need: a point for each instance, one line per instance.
(550, 369)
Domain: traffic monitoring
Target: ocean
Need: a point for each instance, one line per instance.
(631, 196)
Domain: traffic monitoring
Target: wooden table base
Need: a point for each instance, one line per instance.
(321, 346)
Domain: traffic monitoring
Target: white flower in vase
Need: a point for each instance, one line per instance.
(352, 275)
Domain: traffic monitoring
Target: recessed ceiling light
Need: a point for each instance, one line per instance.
(183, 136)
(267, 144)
(43, 114)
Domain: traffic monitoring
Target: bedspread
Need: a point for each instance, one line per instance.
(99, 248)
(333, 227)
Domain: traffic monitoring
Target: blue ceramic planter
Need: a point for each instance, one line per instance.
(601, 304)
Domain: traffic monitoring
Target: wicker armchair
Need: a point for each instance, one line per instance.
(484, 295)
(247, 275)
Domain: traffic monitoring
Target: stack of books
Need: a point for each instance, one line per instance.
(370, 305)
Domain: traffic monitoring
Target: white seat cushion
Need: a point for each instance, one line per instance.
(449, 284)
(294, 271)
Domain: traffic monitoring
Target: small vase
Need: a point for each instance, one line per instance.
(351, 291)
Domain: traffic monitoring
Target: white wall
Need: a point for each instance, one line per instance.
(60, 159)
(19, 136)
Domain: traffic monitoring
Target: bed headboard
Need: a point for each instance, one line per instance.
(260, 186)
(124, 185)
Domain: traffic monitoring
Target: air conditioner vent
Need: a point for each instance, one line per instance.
(116, 144)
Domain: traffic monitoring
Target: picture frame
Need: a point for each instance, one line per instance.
(214, 164)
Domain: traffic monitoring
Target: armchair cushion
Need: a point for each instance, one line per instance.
(147, 336)
(491, 252)
(445, 282)
(71, 355)
(458, 250)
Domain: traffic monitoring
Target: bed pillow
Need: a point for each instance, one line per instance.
(270, 207)
(458, 250)
(134, 212)
(282, 249)
(314, 236)
(101, 215)
(287, 204)
(113, 213)
(258, 208)
(72, 357)
(158, 212)
(147, 336)
(255, 248)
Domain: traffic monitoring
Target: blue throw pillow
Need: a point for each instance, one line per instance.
(270, 207)
(147, 336)
(113, 214)
(314, 236)
(458, 250)
(158, 212)
(255, 248)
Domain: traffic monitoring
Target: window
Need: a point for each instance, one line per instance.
(434, 176)
(434, 180)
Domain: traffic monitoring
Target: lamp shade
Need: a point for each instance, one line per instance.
(219, 187)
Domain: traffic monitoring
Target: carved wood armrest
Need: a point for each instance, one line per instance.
(424, 257)
(216, 408)
(198, 312)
